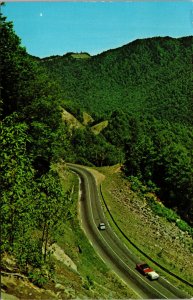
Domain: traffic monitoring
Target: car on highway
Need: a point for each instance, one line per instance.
(147, 271)
(102, 226)
(153, 275)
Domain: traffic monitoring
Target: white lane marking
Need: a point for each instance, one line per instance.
(101, 234)
(111, 227)
(164, 279)
(116, 253)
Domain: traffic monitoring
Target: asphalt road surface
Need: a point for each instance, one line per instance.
(111, 249)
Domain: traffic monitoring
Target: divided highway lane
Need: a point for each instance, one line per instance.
(111, 248)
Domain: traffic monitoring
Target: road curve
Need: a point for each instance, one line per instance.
(111, 248)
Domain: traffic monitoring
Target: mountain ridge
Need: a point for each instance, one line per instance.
(148, 74)
(67, 54)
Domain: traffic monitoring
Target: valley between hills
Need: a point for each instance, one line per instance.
(126, 114)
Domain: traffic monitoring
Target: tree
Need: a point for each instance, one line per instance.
(51, 203)
(15, 68)
(17, 188)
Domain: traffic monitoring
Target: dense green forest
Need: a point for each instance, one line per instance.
(32, 200)
(33, 140)
(151, 76)
(144, 89)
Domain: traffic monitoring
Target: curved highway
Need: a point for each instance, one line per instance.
(111, 248)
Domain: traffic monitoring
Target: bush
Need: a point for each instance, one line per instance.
(169, 214)
(136, 184)
(38, 277)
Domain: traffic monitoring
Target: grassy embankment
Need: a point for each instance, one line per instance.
(160, 239)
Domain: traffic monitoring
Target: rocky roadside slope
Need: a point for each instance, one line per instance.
(156, 236)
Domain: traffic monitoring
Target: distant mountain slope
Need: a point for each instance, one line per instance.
(151, 76)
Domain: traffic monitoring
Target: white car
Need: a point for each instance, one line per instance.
(102, 226)
(153, 275)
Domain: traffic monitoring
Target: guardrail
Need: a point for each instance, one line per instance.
(141, 251)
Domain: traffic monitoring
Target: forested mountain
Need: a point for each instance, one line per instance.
(151, 76)
(144, 90)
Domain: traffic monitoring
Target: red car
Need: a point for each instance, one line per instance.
(143, 268)
(146, 270)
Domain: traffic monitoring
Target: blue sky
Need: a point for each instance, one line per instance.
(55, 28)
